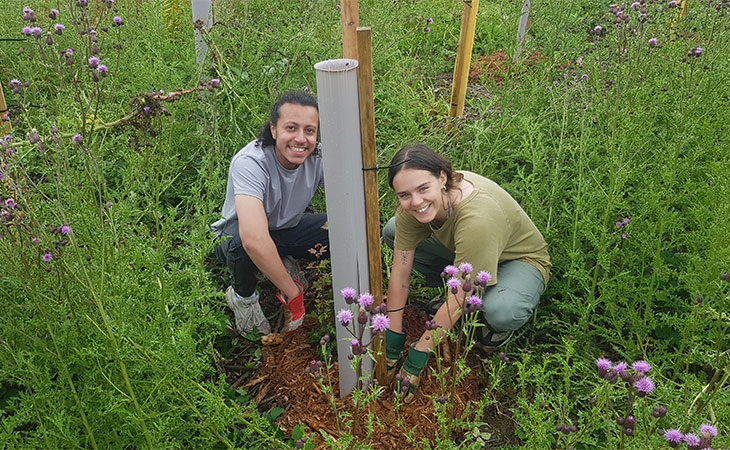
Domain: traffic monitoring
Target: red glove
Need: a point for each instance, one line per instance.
(294, 308)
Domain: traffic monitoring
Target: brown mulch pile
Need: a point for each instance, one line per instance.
(495, 66)
(280, 381)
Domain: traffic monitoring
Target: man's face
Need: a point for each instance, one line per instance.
(295, 133)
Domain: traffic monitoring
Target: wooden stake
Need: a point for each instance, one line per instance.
(370, 178)
(4, 126)
(463, 58)
(350, 18)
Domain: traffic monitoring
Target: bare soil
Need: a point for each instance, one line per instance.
(280, 381)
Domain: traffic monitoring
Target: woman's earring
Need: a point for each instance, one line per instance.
(444, 188)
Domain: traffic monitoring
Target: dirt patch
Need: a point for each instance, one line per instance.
(280, 381)
(496, 66)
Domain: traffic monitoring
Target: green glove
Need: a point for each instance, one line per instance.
(394, 344)
(410, 373)
(415, 361)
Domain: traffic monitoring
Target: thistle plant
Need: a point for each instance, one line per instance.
(638, 385)
(463, 335)
(365, 317)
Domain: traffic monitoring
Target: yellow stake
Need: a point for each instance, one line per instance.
(463, 58)
(4, 126)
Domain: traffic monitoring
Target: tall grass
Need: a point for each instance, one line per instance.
(109, 342)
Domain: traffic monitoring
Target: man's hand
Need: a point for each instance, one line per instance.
(293, 308)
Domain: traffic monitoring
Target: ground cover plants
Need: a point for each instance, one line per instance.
(609, 128)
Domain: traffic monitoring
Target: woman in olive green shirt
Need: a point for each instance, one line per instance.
(445, 218)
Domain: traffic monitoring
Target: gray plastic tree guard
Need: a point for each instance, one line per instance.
(202, 10)
(339, 119)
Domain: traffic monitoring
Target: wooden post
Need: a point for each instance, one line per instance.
(350, 18)
(370, 178)
(4, 126)
(463, 58)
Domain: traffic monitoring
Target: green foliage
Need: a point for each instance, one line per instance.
(109, 344)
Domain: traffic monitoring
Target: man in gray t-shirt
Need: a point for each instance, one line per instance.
(271, 181)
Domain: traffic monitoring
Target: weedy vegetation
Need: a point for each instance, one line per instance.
(609, 127)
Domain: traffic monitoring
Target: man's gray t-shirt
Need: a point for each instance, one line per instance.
(285, 193)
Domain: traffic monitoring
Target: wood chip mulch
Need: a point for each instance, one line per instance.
(280, 381)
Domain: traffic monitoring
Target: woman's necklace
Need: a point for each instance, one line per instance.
(436, 224)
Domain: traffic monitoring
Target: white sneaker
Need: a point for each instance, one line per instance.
(247, 311)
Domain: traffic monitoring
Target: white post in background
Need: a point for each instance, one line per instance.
(202, 10)
(522, 27)
(339, 119)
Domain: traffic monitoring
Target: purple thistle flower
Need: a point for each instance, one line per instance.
(77, 139)
(636, 5)
(619, 224)
(366, 300)
(362, 316)
(450, 271)
(708, 429)
(117, 21)
(454, 284)
(15, 85)
(355, 346)
(427, 30)
(102, 69)
(53, 14)
(674, 437)
(474, 303)
(597, 29)
(94, 62)
(604, 364)
(465, 268)
(33, 136)
(214, 83)
(620, 367)
(429, 20)
(27, 31)
(349, 294)
(484, 277)
(35, 240)
(584, 76)
(10, 203)
(29, 14)
(64, 229)
(641, 366)
(644, 386)
(691, 439)
(47, 256)
(380, 322)
(37, 32)
(59, 27)
(431, 325)
(653, 42)
(344, 317)
(624, 235)
(82, 3)
(672, 4)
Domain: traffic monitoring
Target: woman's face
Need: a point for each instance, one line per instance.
(420, 193)
(295, 133)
